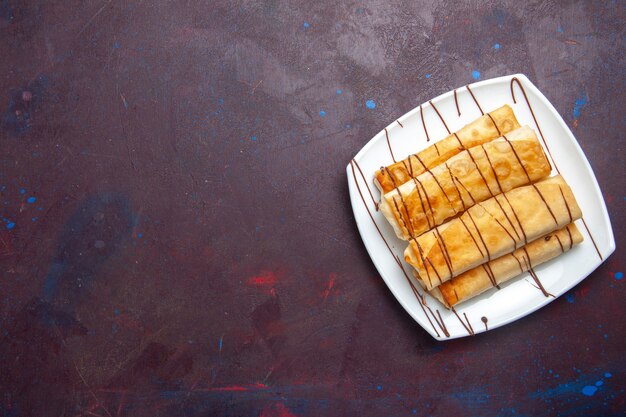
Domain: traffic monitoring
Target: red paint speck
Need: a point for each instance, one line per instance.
(330, 285)
(582, 292)
(276, 410)
(264, 279)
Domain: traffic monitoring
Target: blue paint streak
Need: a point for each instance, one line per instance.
(559, 29)
(253, 138)
(31, 200)
(22, 191)
(589, 390)
(474, 398)
(579, 104)
(599, 383)
(608, 375)
(427, 75)
(619, 275)
(306, 24)
(570, 297)
(5, 11)
(476, 75)
(565, 388)
(370, 104)
(10, 225)
(221, 343)
(338, 91)
(322, 113)
(117, 45)
(496, 46)
(73, 261)
(379, 387)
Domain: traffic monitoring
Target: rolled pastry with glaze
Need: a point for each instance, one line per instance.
(484, 129)
(490, 229)
(470, 177)
(493, 273)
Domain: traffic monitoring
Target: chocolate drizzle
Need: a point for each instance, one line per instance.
(493, 170)
(456, 187)
(466, 190)
(419, 195)
(423, 305)
(418, 184)
(439, 114)
(398, 121)
(558, 240)
(571, 239)
(519, 84)
(442, 190)
(495, 124)
(433, 267)
(421, 254)
(532, 273)
(501, 190)
(517, 157)
(480, 235)
(446, 254)
(395, 203)
(461, 147)
(521, 267)
(499, 223)
(475, 101)
(516, 218)
(457, 298)
(420, 297)
(546, 204)
(410, 167)
(469, 152)
(472, 236)
(569, 212)
(406, 208)
(490, 274)
(592, 239)
(364, 180)
(424, 124)
(468, 327)
(389, 145)
(456, 101)
(484, 320)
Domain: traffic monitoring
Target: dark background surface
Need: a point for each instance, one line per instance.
(176, 234)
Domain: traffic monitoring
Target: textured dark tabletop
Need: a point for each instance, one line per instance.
(176, 237)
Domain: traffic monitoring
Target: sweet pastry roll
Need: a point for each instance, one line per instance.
(490, 229)
(464, 180)
(477, 280)
(484, 129)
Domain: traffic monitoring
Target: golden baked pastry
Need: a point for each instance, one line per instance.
(488, 275)
(470, 177)
(490, 229)
(485, 128)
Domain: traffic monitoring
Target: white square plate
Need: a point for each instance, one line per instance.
(520, 296)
